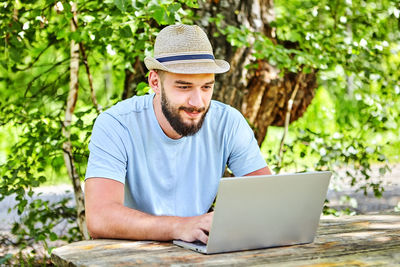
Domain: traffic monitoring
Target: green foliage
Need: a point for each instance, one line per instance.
(330, 152)
(264, 48)
(34, 86)
(37, 224)
(5, 259)
(354, 120)
(142, 88)
(397, 208)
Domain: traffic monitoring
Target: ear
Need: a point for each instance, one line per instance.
(155, 81)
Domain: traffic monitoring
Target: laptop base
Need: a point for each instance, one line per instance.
(195, 246)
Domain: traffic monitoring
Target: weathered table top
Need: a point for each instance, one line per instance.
(363, 240)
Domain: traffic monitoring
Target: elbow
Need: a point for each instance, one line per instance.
(94, 226)
(93, 232)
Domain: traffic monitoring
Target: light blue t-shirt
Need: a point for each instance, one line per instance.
(163, 176)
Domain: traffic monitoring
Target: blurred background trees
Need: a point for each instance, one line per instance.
(317, 80)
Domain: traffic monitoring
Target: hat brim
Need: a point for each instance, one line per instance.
(217, 66)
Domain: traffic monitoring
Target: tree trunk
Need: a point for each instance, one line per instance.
(67, 147)
(132, 79)
(260, 94)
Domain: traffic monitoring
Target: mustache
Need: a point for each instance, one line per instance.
(192, 109)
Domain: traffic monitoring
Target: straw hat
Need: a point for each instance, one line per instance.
(184, 49)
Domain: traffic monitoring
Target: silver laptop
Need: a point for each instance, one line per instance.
(265, 211)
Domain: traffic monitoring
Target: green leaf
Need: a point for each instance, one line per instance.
(15, 55)
(174, 7)
(105, 32)
(191, 3)
(30, 193)
(140, 45)
(74, 137)
(126, 32)
(40, 237)
(21, 206)
(79, 124)
(397, 208)
(169, 19)
(142, 88)
(53, 236)
(121, 5)
(42, 179)
(158, 15)
(4, 259)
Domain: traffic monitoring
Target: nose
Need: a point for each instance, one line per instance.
(195, 99)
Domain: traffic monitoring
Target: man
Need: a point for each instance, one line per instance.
(156, 160)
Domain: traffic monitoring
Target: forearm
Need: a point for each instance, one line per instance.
(118, 221)
(107, 217)
(262, 171)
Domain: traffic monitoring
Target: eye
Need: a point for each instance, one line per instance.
(184, 87)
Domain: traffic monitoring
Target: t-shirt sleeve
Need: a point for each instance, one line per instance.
(245, 155)
(108, 156)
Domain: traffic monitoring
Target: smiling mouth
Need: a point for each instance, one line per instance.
(193, 112)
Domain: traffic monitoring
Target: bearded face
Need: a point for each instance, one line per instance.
(175, 118)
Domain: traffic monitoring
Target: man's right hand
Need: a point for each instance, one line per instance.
(194, 228)
(107, 217)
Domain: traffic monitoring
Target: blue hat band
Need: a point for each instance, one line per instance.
(185, 57)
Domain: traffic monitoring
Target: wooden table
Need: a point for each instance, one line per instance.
(363, 240)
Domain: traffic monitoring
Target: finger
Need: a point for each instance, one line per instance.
(205, 217)
(208, 222)
(205, 227)
(201, 236)
(210, 216)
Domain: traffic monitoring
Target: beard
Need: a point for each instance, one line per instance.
(176, 121)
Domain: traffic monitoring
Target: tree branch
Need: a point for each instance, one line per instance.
(90, 78)
(85, 62)
(36, 59)
(287, 116)
(67, 146)
(50, 84)
(28, 88)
